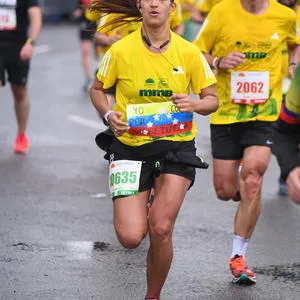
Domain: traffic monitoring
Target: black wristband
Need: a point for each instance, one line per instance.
(218, 63)
(105, 122)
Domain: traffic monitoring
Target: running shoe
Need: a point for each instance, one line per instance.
(21, 143)
(282, 190)
(241, 273)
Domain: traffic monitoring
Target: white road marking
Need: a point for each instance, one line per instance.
(86, 122)
(80, 250)
(98, 196)
(40, 49)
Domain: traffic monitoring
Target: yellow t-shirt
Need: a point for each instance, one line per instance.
(144, 83)
(186, 14)
(285, 56)
(206, 5)
(176, 17)
(229, 27)
(292, 103)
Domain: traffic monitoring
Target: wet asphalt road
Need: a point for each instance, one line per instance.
(56, 234)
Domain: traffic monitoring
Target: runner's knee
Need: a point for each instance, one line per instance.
(252, 181)
(225, 191)
(130, 240)
(160, 229)
(20, 93)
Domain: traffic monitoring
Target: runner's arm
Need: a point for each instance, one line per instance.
(35, 20)
(208, 102)
(294, 58)
(230, 61)
(99, 98)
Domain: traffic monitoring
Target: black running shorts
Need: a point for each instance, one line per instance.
(153, 160)
(11, 64)
(286, 147)
(87, 30)
(229, 141)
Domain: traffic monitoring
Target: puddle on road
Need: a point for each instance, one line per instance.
(23, 246)
(101, 246)
(77, 250)
(287, 272)
(84, 249)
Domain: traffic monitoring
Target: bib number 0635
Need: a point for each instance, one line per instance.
(124, 177)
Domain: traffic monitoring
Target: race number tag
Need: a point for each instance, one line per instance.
(158, 119)
(250, 87)
(124, 177)
(8, 18)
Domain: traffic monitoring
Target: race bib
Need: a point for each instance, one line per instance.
(250, 87)
(8, 15)
(124, 177)
(158, 119)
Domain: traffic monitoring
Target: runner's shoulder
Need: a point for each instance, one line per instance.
(284, 12)
(224, 5)
(183, 46)
(127, 43)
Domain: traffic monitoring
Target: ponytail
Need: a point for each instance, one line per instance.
(126, 11)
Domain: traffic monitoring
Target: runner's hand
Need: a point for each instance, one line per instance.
(292, 70)
(183, 102)
(26, 51)
(77, 13)
(117, 126)
(293, 185)
(113, 39)
(232, 60)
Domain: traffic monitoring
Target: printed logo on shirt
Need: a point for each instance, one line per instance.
(243, 45)
(255, 55)
(178, 70)
(155, 93)
(163, 82)
(268, 142)
(265, 45)
(275, 36)
(149, 82)
(8, 15)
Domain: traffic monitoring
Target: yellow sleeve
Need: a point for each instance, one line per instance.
(176, 17)
(207, 35)
(201, 73)
(204, 5)
(298, 24)
(291, 32)
(108, 29)
(108, 69)
(92, 15)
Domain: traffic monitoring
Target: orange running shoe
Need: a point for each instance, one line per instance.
(241, 273)
(21, 143)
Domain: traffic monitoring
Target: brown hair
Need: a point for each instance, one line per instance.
(126, 9)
